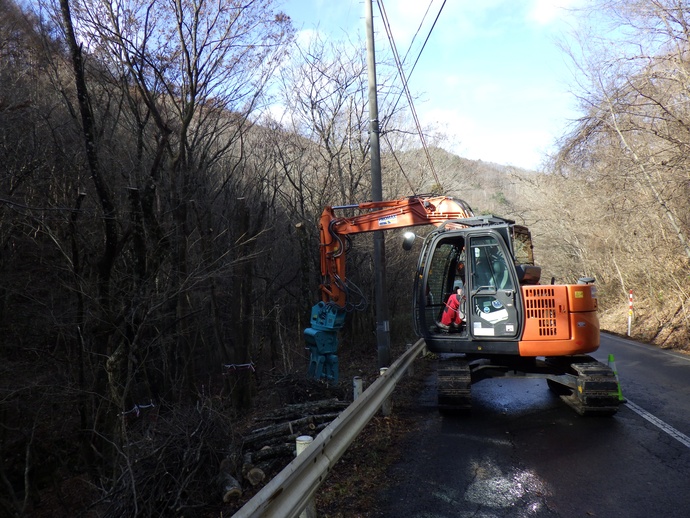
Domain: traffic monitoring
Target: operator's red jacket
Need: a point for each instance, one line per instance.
(452, 314)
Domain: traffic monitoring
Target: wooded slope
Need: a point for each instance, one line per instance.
(158, 223)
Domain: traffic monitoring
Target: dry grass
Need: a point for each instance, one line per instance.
(666, 329)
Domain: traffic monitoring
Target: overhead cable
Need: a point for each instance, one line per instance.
(427, 38)
(414, 65)
(398, 64)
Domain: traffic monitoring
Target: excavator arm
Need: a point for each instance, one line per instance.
(381, 215)
(328, 316)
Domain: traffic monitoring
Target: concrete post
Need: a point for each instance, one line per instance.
(386, 405)
(302, 442)
(410, 369)
(357, 386)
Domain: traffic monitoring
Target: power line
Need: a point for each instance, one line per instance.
(395, 157)
(417, 31)
(398, 64)
(414, 65)
(427, 38)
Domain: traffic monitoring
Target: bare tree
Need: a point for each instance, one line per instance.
(632, 145)
(162, 94)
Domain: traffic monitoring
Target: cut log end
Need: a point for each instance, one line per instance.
(255, 476)
(231, 488)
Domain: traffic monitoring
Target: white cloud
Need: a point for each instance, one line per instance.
(545, 12)
(487, 140)
(306, 36)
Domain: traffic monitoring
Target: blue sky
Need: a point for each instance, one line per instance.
(491, 77)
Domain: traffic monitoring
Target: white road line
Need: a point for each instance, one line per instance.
(679, 436)
(647, 347)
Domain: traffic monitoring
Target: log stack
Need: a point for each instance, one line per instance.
(269, 448)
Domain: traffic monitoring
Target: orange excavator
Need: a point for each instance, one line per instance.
(505, 323)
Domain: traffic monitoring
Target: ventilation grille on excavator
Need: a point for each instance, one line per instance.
(540, 305)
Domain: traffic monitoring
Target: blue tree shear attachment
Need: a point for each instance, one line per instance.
(322, 340)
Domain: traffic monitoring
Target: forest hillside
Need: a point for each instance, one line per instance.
(159, 227)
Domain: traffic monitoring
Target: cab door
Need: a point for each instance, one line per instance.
(493, 305)
(434, 280)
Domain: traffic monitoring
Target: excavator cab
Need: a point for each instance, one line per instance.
(512, 326)
(477, 254)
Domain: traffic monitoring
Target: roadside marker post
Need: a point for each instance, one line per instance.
(612, 364)
(630, 311)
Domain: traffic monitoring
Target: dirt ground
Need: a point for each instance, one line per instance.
(351, 489)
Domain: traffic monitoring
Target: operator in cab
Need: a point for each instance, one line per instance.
(453, 316)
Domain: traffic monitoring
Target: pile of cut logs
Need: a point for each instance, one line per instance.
(271, 447)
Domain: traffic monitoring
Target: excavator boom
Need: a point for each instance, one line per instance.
(381, 215)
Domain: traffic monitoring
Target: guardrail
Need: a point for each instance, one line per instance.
(289, 492)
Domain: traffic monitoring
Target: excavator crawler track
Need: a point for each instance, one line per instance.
(597, 389)
(454, 386)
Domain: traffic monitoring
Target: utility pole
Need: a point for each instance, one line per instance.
(382, 324)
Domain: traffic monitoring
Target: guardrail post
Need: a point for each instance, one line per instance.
(386, 405)
(357, 386)
(410, 369)
(302, 442)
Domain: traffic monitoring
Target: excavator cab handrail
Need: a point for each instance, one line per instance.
(478, 221)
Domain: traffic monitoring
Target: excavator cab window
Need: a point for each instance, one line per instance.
(492, 293)
(522, 245)
(490, 266)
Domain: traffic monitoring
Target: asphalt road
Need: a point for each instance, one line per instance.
(523, 453)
